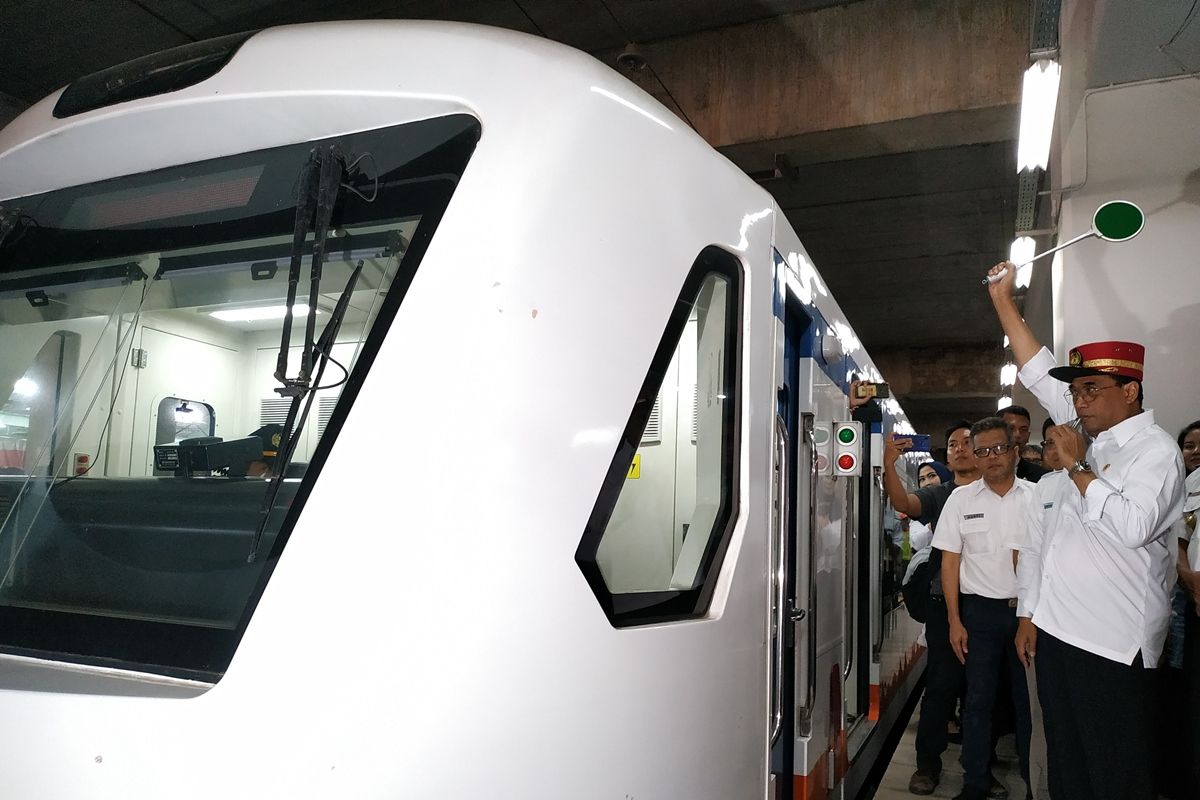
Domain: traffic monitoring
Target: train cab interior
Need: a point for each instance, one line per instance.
(146, 332)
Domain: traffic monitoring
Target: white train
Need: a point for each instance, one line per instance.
(560, 514)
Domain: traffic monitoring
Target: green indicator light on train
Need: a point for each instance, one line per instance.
(846, 435)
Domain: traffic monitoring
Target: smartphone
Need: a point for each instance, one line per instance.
(920, 443)
(878, 390)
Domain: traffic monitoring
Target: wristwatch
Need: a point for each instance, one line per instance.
(1080, 466)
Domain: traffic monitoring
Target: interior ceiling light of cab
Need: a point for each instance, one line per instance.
(179, 346)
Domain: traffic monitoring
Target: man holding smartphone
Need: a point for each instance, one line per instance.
(944, 674)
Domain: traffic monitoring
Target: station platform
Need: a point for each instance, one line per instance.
(894, 785)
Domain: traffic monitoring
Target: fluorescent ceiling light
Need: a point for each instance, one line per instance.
(1019, 252)
(1003, 402)
(1006, 341)
(1039, 96)
(257, 313)
(1008, 374)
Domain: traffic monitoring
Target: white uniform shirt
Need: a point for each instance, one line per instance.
(979, 524)
(1029, 566)
(1107, 565)
(1191, 505)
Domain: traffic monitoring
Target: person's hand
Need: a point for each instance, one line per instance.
(894, 446)
(1069, 442)
(855, 400)
(1002, 290)
(958, 640)
(1026, 641)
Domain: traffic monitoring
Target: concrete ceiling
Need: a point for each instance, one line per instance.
(885, 128)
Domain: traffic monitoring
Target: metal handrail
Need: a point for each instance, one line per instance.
(805, 721)
(877, 506)
(779, 577)
(850, 577)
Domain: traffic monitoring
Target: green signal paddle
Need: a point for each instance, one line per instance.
(1114, 221)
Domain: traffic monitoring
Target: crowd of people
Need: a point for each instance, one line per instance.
(1061, 583)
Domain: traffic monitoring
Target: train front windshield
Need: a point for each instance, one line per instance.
(152, 461)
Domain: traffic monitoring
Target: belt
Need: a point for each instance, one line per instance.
(1011, 602)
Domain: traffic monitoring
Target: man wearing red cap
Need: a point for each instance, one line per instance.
(1101, 561)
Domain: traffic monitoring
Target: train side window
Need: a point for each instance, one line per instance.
(657, 534)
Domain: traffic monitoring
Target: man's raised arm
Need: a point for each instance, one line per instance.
(1025, 346)
(1020, 338)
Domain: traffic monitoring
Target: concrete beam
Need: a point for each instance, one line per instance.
(849, 67)
(975, 126)
(940, 372)
(939, 385)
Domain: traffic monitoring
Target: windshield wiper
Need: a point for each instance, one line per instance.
(316, 196)
(319, 183)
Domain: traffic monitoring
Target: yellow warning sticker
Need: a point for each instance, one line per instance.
(635, 469)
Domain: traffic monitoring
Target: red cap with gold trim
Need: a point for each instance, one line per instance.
(1125, 359)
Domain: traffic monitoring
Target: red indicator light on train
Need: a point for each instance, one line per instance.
(845, 462)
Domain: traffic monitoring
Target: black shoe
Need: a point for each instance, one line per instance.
(923, 782)
(997, 790)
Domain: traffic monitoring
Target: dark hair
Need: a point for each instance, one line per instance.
(1195, 426)
(991, 424)
(1047, 425)
(962, 423)
(941, 469)
(1033, 447)
(1122, 380)
(1020, 411)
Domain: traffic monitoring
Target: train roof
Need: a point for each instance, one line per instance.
(372, 74)
(367, 74)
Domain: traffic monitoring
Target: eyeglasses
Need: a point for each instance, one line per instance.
(1086, 392)
(998, 449)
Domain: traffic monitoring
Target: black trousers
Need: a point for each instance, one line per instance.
(1099, 721)
(943, 684)
(991, 627)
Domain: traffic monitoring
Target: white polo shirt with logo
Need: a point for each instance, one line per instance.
(979, 524)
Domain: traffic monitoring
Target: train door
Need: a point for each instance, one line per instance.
(820, 563)
(863, 586)
(854, 666)
(793, 458)
(187, 378)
